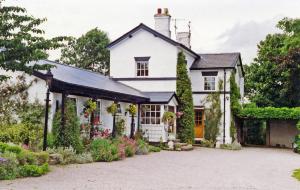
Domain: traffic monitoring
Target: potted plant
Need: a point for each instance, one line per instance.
(113, 109)
(132, 110)
(169, 120)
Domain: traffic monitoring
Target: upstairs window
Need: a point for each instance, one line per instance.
(210, 80)
(142, 66)
(210, 83)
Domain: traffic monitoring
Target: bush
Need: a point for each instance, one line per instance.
(104, 150)
(296, 174)
(27, 157)
(233, 146)
(70, 135)
(62, 155)
(8, 166)
(142, 147)
(83, 158)
(42, 157)
(154, 149)
(3, 147)
(33, 170)
(207, 143)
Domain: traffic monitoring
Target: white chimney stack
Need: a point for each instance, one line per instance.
(184, 38)
(162, 22)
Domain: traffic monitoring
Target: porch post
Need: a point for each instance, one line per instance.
(114, 126)
(139, 117)
(63, 99)
(132, 127)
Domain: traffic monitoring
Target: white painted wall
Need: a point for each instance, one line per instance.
(153, 85)
(163, 56)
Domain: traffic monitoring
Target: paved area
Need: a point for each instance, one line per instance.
(201, 169)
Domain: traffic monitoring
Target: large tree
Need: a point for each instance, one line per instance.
(186, 122)
(273, 78)
(22, 41)
(88, 51)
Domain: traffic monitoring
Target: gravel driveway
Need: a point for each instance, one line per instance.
(203, 168)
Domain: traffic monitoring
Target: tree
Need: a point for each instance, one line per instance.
(21, 41)
(69, 136)
(88, 52)
(186, 122)
(273, 78)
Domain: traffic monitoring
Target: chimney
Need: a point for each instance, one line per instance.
(184, 38)
(162, 22)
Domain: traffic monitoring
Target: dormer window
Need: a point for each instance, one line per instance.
(142, 66)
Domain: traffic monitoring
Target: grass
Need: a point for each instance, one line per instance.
(296, 174)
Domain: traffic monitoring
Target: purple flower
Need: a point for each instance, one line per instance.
(2, 160)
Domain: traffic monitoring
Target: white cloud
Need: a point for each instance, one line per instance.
(244, 37)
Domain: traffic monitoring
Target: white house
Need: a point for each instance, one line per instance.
(143, 72)
(146, 58)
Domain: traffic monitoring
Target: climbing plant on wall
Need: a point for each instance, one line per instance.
(213, 115)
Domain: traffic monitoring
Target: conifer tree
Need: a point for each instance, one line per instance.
(184, 92)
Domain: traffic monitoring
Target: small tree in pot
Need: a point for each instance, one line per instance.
(132, 110)
(169, 119)
(113, 109)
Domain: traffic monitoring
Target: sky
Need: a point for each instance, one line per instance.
(216, 25)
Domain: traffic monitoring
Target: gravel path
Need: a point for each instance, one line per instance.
(203, 168)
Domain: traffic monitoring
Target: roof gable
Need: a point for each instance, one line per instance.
(156, 34)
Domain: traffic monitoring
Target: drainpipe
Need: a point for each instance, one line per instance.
(224, 106)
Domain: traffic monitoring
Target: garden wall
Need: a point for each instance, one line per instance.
(282, 133)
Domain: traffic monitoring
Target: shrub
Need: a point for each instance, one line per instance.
(33, 170)
(207, 143)
(154, 149)
(42, 157)
(104, 150)
(69, 136)
(186, 122)
(233, 146)
(8, 166)
(27, 157)
(83, 158)
(142, 147)
(296, 174)
(62, 155)
(3, 147)
(14, 149)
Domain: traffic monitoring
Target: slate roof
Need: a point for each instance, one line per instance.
(155, 33)
(217, 60)
(228, 60)
(161, 97)
(82, 77)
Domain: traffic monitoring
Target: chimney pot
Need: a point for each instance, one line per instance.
(159, 11)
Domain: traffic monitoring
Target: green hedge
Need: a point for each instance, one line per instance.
(270, 113)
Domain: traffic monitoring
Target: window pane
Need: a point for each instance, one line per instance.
(152, 107)
(158, 108)
(147, 114)
(153, 121)
(146, 72)
(157, 120)
(142, 66)
(147, 120)
(157, 114)
(152, 114)
(138, 73)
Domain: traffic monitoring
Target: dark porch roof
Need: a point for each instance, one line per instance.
(161, 97)
(87, 83)
(217, 61)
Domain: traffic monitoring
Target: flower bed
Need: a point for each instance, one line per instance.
(17, 162)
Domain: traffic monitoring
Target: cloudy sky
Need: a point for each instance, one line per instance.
(217, 25)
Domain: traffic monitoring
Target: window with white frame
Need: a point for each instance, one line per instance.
(150, 114)
(142, 68)
(209, 83)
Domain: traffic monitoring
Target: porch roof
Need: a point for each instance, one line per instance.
(161, 97)
(82, 82)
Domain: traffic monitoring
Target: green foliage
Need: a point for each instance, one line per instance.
(33, 170)
(213, 115)
(235, 95)
(112, 109)
(104, 150)
(296, 174)
(120, 126)
(233, 146)
(273, 79)
(142, 147)
(69, 136)
(270, 113)
(83, 158)
(90, 106)
(18, 162)
(88, 51)
(256, 132)
(154, 148)
(169, 118)
(132, 109)
(184, 92)
(23, 41)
